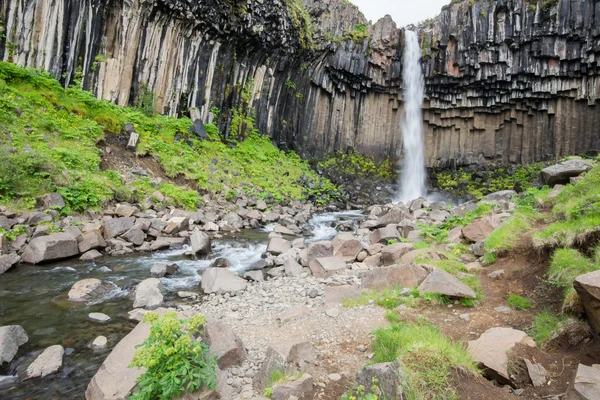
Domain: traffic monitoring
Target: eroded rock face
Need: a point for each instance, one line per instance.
(55, 246)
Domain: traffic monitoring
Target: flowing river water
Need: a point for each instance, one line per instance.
(35, 297)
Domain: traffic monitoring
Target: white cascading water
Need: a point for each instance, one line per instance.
(412, 180)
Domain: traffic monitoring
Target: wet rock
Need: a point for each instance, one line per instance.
(562, 172)
(55, 246)
(278, 246)
(200, 242)
(53, 200)
(439, 281)
(327, 266)
(390, 379)
(160, 270)
(221, 280)
(586, 385)
(224, 344)
(391, 254)
(284, 231)
(100, 343)
(407, 275)
(47, 363)
(7, 261)
(91, 255)
(302, 389)
(149, 294)
(8, 381)
(89, 289)
(588, 289)
(98, 317)
(11, 338)
(115, 227)
(491, 350)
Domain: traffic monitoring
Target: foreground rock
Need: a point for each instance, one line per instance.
(586, 385)
(89, 289)
(55, 246)
(149, 294)
(200, 242)
(11, 338)
(221, 280)
(301, 389)
(327, 266)
(407, 275)
(7, 261)
(492, 348)
(588, 289)
(391, 254)
(292, 356)
(47, 363)
(389, 379)
(160, 270)
(439, 281)
(224, 344)
(561, 173)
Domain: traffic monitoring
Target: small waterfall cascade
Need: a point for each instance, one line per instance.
(412, 179)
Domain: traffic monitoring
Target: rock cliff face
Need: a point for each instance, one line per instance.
(510, 84)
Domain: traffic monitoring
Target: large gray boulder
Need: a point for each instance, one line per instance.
(327, 266)
(389, 378)
(149, 294)
(301, 389)
(7, 261)
(439, 281)
(394, 216)
(345, 245)
(385, 235)
(391, 254)
(91, 240)
(160, 270)
(117, 226)
(278, 246)
(407, 275)
(588, 289)
(586, 385)
(291, 356)
(11, 338)
(47, 363)
(562, 172)
(89, 289)
(134, 235)
(492, 348)
(200, 242)
(314, 250)
(224, 344)
(55, 246)
(477, 231)
(221, 280)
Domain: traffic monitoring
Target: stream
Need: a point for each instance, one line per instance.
(35, 297)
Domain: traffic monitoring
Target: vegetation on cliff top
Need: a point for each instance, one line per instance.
(49, 142)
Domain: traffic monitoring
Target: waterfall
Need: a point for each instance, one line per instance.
(412, 180)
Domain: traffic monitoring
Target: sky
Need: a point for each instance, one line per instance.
(403, 12)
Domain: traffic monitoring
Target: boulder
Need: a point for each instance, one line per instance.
(423, 254)
(98, 317)
(501, 195)
(200, 242)
(326, 266)
(301, 389)
(134, 235)
(149, 294)
(407, 275)
(114, 379)
(391, 254)
(256, 276)
(176, 225)
(394, 216)
(53, 200)
(278, 246)
(36, 217)
(47, 363)
(293, 313)
(55, 246)
(11, 338)
(91, 255)
(320, 249)
(455, 235)
(345, 245)
(91, 240)
(89, 289)
(477, 231)
(100, 343)
(7, 261)
(224, 344)
(221, 262)
(586, 385)
(284, 231)
(221, 280)
(562, 172)
(117, 226)
(125, 210)
(285, 356)
(160, 270)
(537, 373)
(389, 378)
(439, 281)
(588, 289)
(385, 235)
(292, 268)
(491, 350)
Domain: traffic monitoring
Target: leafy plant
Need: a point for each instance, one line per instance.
(175, 361)
(518, 302)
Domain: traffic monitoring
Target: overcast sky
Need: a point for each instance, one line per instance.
(403, 12)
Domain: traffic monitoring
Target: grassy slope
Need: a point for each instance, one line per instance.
(48, 139)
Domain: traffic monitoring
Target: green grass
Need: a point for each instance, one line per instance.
(546, 324)
(565, 266)
(428, 357)
(455, 267)
(49, 138)
(507, 235)
(389, 298)
(518, 302)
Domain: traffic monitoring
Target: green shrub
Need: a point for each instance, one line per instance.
(175, 361)
(546, 324)
(518, 302)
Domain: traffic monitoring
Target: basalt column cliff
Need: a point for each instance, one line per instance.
(506, 81)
